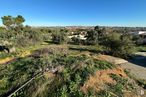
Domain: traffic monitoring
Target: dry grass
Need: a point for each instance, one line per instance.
(100, 78)
(24, 53)
(130, 94)
(48, 75)
(111, 59)
(6, 60)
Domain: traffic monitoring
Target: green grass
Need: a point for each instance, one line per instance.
(90, 48)
(5, 55)
(19, 72)
(141, 48)
(76, 72)
(142, 83)
(66, 83)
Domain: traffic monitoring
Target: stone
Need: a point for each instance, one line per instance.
(141, 92)
(4, 42)
(13, 49)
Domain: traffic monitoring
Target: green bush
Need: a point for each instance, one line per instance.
(22, 37)
(118, 45)
(59, 37)
(142, 83)
(92, 37)
(17, 73)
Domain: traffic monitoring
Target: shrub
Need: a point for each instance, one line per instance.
(95, 36)
(27, 38)
(77, 40)
(118, 45)
(59, 37)
(142, 83)
(35, 36)
(92, 37)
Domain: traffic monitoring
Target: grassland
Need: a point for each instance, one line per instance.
(79, 73)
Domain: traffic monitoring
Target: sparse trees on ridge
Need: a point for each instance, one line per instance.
(12, 22)
(95, 36)
(59, 37)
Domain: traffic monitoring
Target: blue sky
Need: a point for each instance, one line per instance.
(77, 12)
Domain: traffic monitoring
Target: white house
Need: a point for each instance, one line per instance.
(138, 33)
(82, 37)
(142, 32)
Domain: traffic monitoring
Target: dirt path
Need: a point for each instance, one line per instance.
(137, 66)
(137, 71)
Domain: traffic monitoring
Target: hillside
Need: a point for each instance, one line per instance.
(70, 61)
(59, 71)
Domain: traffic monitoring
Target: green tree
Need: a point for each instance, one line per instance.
(92, 37)
(96, 28)
(7, 21)
(118, 45)
(12, 22)
(19, 20)
(59, 37)
(96, 35)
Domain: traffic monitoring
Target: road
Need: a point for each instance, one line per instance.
(137, 65)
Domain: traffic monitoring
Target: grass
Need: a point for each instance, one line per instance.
(142, 83)
(4, 55)
(90, 48)
(121, 84)
(70, 80)
(141, 48)
(77, 69)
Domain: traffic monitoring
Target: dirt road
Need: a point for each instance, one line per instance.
(137, 65)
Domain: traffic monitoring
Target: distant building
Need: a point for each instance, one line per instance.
(82, 37)
(141, 34)
(138, 33)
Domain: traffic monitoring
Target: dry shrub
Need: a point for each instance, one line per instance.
(51, 50)
(98, 81)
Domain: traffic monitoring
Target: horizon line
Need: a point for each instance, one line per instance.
(80, 26)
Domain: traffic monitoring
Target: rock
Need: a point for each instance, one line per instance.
(4, 48)
(13, 49)
(4, 42)
(141, 92)
(54, 71)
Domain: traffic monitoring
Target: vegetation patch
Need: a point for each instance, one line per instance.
(97, 81)
(6, 60)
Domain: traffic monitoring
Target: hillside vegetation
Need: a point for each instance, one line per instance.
(45, 62)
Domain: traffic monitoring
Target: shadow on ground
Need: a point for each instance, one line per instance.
(86, 49)
(139, 60)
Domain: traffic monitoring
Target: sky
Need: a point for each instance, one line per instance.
(77, 12)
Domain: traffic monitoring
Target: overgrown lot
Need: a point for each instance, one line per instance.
(77, 76)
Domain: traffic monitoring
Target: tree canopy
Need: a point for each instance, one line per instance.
(10, 21)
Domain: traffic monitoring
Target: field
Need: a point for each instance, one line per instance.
(64, 71)
(45, 62)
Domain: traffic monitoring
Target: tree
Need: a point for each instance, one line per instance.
(92, 37)
(19, 20)
(7, 21)
(12, 22)
(77, 40)
(95, 36)
(96, 28)
(118, 45)
(59, 37)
